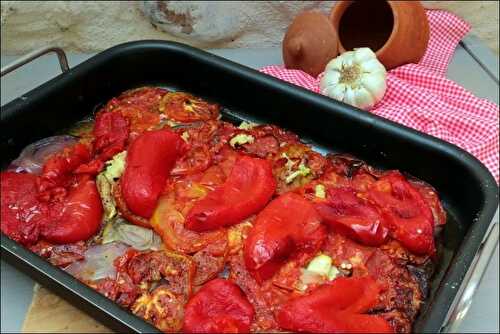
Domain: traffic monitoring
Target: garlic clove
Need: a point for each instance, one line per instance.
(372, 66)
(332, 90)
(364, 54)
(363, 99)
(375, 84)
(349, 97)
(333, 78)
(338, 92)
(348, 59)
(334, 64)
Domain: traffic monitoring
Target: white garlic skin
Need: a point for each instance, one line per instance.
(356, 78)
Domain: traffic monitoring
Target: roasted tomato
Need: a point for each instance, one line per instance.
(345, 251)
(178, 270)
(353, 216)
(296, 165)
(110, 133)
(210, 261)
(218, 307)
(196, 160)
(402, 292)
(168, 222)
(76, 218)
(246, 191)
(121, 290)
(169, 217)
(289, 224)
(184, 107)
(337, 307)
(22, 212)
(140, 107)
(345, 164)
(281, 135)
(161, 307)
(407, 214)
(262, 147)
(263, 296)
(145, 98)
(149, 161)
(262, 141)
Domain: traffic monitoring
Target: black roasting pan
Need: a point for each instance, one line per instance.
(467, 189)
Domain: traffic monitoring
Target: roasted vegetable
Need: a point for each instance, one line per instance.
(135, 236)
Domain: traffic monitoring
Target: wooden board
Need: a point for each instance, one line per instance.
(50, 314)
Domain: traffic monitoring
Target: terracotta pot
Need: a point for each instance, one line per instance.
(397, 31)
(310, 43)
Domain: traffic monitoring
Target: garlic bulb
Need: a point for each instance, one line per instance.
(356, 78)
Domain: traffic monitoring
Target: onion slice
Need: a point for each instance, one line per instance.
(34, 156)
(98, 263)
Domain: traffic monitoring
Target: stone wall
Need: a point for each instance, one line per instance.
(90, 26)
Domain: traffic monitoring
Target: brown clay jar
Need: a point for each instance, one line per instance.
(310, 43)
(397, 31)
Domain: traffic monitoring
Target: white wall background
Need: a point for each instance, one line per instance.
(90, 26)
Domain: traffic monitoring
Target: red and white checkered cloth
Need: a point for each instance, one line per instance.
(420, 97)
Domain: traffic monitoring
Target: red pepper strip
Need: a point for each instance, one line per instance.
(150, 158)
(408, 215)
(218, 307)
(21, 211)
(337, 307)
(246, 191)
(288, 224)
(353, 217)
(77, 218)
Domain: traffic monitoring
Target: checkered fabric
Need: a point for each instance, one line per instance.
(420, 97)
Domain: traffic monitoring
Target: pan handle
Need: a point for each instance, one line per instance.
(61, 55)
(471, 281)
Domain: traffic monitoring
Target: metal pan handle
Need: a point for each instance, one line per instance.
(61, 55)
(472, 280)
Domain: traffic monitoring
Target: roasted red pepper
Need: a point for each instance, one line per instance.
(150, 158)
(353, 216)
(288, 224)
(58, 169)
(21, 211)
(110, 132)
(77, 218)
(246, 191)
(337, 307)
(69, 218)
(218, 307)
(432, 199)
(407, 214)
